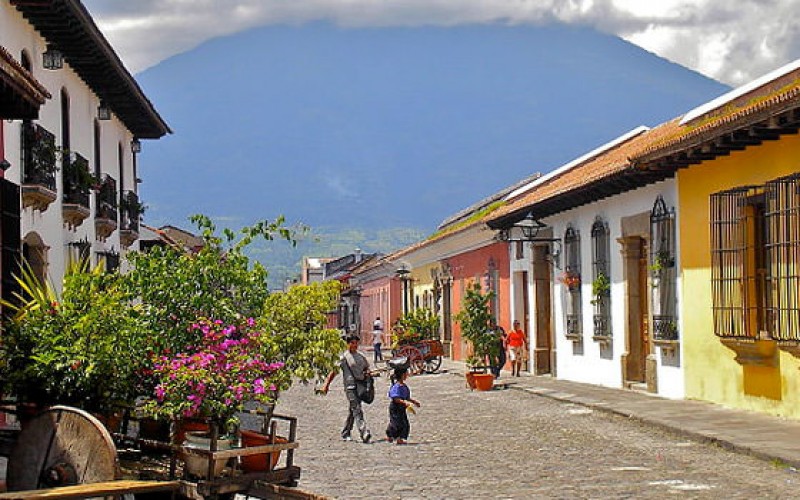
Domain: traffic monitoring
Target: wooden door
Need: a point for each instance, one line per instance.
(543, 347)
(644, 311)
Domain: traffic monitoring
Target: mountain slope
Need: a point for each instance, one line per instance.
(391, 127)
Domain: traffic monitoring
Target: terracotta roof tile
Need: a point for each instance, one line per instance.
(611, 162)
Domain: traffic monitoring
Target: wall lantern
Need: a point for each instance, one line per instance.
(52, 58)
(525, 229)
(103, 111)
(136, 146)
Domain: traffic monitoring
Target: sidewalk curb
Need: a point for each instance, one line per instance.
(699, 437)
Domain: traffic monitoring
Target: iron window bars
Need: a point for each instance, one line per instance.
(572, 279)
(663, 271)
(601, 278)
(783, 252)
(756, 260)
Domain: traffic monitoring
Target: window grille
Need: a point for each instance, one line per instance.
(733, 229)
(783, 256)
(664, 273)
(572, 279)
(601, 276)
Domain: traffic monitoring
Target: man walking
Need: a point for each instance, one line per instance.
(355, 369)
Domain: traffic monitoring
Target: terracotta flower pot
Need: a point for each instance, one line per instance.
(258, 463)
(484, 381)
(470, 379)
(189, 425)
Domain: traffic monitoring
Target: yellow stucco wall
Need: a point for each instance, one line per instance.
(710, 369)
(422, 279)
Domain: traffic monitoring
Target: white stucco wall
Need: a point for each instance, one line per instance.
(583, 362)
(16, 35)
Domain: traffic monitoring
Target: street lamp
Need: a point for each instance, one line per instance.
(103, 111)
(527, 229)
(52, 58)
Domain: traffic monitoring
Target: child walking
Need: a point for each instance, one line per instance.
(400, 396)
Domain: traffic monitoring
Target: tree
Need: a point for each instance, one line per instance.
(475, 319)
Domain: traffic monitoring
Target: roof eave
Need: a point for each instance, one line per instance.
(68, 26)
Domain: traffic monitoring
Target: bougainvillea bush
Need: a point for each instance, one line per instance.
(216, 378)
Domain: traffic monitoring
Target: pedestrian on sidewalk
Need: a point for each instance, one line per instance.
(517, 348)
(499, 362)
(400, 403)
(355, 370)
(377, 339)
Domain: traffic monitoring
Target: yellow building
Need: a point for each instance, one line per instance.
(737, 163)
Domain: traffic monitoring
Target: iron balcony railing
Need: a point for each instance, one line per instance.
(77, 180)
(106, 198)
(38, 156)
(130, 211)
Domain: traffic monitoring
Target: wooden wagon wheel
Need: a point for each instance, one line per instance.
(62, 446)
(432, 364)
(416, 362)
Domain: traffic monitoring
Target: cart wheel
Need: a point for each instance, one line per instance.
(62, 446)
(432, 364)
(416, 363)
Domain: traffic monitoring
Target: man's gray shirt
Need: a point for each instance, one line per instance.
(353, 365)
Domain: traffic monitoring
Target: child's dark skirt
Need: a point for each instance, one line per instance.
(398, 422)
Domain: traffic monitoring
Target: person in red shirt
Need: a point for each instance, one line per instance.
(517, 348)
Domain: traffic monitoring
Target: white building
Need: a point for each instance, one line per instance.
(587, 236)
(76, 163)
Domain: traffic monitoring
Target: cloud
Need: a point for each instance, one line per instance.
(733, 41)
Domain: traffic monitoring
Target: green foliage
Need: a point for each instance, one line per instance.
(416, 325)
(475, 319)
(85, 348)
(601, 287)
(662, 260)
(218, 282)
(295, 322)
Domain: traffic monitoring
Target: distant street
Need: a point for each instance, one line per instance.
(512, 444)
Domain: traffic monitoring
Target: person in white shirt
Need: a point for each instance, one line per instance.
(377, 338)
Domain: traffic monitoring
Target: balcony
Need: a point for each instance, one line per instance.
(106, 213)
(77, 183)
(130, 213)
(38, 167)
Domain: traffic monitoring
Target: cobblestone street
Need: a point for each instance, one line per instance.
(513, 444)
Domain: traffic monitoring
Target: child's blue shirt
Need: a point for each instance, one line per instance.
(401, 391)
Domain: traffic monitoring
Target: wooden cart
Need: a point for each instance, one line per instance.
(71, 454)
(423, 355)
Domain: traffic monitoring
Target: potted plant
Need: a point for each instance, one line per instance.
(601, 287)
(661, 261)
(475, 319)
(570, 279)
(414, 326)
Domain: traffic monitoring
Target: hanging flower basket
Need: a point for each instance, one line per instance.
(571, 280)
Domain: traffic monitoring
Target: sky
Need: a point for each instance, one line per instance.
(733, 41)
